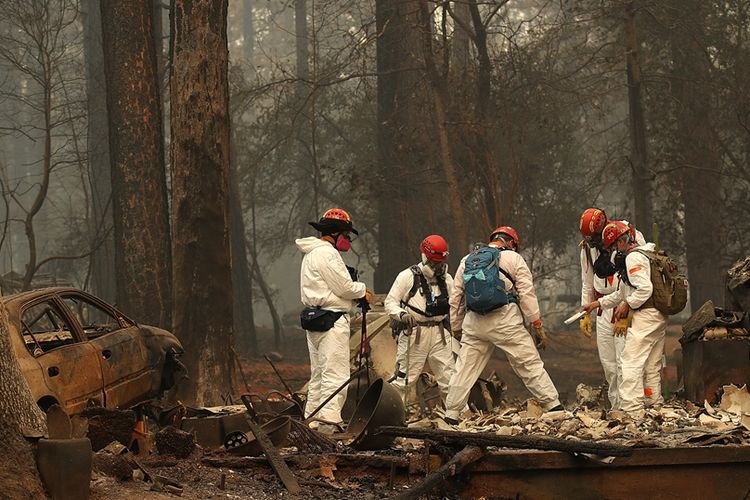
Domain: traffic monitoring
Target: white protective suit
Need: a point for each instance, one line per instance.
(501, 328)
(325, 282)
(609, 347)
(644, 344)
(430, 341)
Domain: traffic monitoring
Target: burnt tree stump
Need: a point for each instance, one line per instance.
(107, 425)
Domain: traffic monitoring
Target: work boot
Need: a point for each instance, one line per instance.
(557, 408)
(616, 415)
(449, 421)
(328, 429)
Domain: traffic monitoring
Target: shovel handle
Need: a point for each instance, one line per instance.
(249, 406)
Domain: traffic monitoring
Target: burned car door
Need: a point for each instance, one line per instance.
(122, 355)
(68, 366)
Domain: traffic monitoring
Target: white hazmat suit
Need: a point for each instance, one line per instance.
(502, 328)
(644, 344)
(608, 345)
(430, 341)
(325, 282)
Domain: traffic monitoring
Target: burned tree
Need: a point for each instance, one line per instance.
(20, 417)
(97, 142)
(641, 177)
(698, 154)
(402, 155)
(139, 193)
(200, 195)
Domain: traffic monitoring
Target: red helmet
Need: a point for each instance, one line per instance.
(435, 248)
(592, 222)
(337, 214)
(334, 220)
(508, 231)
(612, 231)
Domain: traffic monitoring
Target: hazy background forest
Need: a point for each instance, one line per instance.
(415, 116)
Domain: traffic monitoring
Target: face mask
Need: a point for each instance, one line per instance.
(433, 268)
(342, 243)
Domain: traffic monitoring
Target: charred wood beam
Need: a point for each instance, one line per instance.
(520, 442)
(454, 466)
(303, 462)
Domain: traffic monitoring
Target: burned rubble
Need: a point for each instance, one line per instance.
(265, 447)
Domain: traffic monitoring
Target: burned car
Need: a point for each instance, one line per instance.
(76, 350)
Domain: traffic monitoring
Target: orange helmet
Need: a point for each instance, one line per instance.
(592, 222)
(507, 231)
(435, 248)
(612, 231)
(337, 214)
(334, 220)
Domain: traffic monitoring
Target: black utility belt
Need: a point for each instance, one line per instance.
(315, 319)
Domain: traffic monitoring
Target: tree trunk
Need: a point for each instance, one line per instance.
(244, 320)
(277, 334)
(306, 160)
(460, 40)
(403, 210)
(200, 196)
(641, 177)
(698, 155)
(488, 168)
(20, 416)
(139, 190)
(100, 226)
(439, 90)
(158, 34)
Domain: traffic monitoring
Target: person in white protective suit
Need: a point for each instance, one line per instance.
(418, 306)
(599, 278)
(500, 327)
(329, 293)
(645, 327)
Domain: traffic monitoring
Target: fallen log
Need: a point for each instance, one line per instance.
(454, 466)
(304, 462)
(520, 442)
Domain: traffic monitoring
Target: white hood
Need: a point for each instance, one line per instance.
(307, 245)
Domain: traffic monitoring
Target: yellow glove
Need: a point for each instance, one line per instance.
(585, 325)
(622, 325)
(368, 295)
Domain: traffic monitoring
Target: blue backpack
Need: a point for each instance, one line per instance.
(484, 288)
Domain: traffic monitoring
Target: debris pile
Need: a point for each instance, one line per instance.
(712, 323)
(677, 423)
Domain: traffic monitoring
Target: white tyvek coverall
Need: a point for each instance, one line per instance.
(501, 328)
(644, 344)
(325, 282)
(435, 343)
(609, 346)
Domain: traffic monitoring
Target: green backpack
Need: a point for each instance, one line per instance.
(670, 286)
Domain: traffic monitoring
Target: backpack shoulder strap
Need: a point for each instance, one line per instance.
(505, 273)
(648, 253)
(418, 278)
(419, 281)
(442, 285)
(651, 255)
